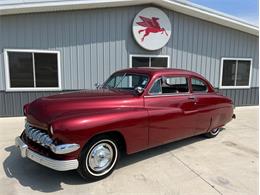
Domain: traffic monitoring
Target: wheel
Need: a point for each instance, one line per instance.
(98, 159)
(212, 133)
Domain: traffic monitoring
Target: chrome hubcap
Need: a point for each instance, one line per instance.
(100, 157)
(215, 131)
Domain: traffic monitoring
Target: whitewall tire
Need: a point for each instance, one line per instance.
(98, 158)
(212, 133)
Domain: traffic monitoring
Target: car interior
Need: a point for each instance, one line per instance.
(196, 87)
(174, 88)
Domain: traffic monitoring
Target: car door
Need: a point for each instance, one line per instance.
(199, 89)
(171, 109)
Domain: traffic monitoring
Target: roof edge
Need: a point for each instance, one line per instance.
(175, 5)
(209, 15)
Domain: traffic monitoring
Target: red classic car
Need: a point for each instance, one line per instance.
(135, 109)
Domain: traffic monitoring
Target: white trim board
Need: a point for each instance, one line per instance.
(184, 7)
(7, 73)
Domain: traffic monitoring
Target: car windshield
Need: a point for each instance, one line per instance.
(126, 81)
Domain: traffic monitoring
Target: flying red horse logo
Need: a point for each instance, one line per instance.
(152, 26)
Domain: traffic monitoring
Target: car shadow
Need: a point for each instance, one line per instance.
(43, 179)
(146, 154)
(150, 153)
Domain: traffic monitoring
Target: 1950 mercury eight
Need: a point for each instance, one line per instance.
(133, 110)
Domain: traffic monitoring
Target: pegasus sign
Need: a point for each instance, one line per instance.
(151, 28)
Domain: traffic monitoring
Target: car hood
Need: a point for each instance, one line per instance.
(47, 109)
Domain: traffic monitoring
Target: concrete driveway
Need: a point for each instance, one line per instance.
(227, 164)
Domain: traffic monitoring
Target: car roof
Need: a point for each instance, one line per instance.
(154, 72)
(158, 71)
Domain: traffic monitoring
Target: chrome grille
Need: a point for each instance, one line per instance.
(38, 135)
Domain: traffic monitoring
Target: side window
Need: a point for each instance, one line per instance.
(198, 85)
(157, 87)
(175, 85)
(170, 85)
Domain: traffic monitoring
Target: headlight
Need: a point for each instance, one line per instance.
(51, 130)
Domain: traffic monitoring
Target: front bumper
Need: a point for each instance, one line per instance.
(59, 165)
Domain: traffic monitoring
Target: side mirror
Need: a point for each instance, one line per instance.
(139, 90)
(98, 86)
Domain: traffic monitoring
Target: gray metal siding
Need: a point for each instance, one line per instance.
(12, 103)
(95, 43)
(242, 97)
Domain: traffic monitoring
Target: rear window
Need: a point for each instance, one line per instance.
(198, 85)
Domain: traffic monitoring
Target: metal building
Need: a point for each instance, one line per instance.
(51, 46)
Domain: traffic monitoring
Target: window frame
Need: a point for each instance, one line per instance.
(236, 59)
(149, 56)
(7, 71)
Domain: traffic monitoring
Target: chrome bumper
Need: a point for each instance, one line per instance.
(59, 165)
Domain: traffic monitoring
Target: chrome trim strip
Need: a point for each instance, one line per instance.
(59, 165)
(169, 95)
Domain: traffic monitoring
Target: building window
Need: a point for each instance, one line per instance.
(235, 73)
(32, 70)
(149, 61)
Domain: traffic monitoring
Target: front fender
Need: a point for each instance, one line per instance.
(79, 127)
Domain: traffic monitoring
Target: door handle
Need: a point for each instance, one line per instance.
(192, 98)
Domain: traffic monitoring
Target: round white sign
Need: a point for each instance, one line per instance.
(151, 28)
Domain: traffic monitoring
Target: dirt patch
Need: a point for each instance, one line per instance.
(241, 148)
